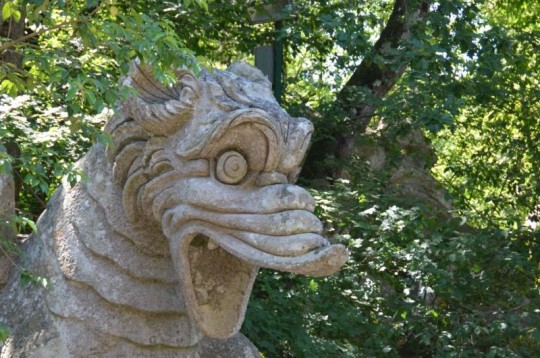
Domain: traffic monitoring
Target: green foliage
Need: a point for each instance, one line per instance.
(4, 333)
(28, 277)
(414, 286)
(49, 141)
(82, 50)
(418, 284)
(9, 10)
(489, 156)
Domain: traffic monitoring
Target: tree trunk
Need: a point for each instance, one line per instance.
(11, 29)
(9, 188)
(378, 72)
(7, 210)
(410, 178)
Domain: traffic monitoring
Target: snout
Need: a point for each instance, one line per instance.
(271, 226)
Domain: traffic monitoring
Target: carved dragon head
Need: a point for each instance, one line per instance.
(211, 162)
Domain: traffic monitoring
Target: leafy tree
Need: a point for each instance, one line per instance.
(429, 276)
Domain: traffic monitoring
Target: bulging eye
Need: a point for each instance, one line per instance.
(231, 167)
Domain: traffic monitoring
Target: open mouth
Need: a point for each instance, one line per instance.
(215, 284)
(218, 254)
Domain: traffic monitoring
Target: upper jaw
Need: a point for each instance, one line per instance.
(308, 253)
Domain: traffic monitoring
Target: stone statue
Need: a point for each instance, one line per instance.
(156, 252)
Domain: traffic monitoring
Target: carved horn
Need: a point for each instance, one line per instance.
(158, 109)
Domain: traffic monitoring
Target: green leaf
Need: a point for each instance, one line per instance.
(90, 96)
(7, 10)
(44, 187)
(4, 334)
(26, 278)
(71, 91)
(16, 15)
(313, 285)
(8, 87)
(113, 10)
(28, 222)
(92, 3)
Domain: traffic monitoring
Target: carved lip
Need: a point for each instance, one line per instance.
(323, 260)
(270, 226)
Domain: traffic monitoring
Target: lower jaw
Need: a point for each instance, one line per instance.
(217, 272)
(215, 284)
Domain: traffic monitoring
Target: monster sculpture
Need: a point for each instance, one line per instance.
(156, 252)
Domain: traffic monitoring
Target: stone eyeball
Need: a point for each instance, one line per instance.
(231, 167)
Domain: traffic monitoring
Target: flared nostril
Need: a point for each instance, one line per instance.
(271, 178)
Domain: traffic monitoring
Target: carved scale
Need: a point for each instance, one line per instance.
(160, 246)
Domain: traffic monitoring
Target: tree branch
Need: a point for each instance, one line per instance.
(24, 38)
(379, 71)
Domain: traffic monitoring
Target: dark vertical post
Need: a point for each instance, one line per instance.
(275, 11)
(278, 61)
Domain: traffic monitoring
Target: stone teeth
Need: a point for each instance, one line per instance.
(212, 245)
(201, 295)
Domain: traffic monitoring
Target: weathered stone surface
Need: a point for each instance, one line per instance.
(412, 178)
(236, 346)
(156, 253)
